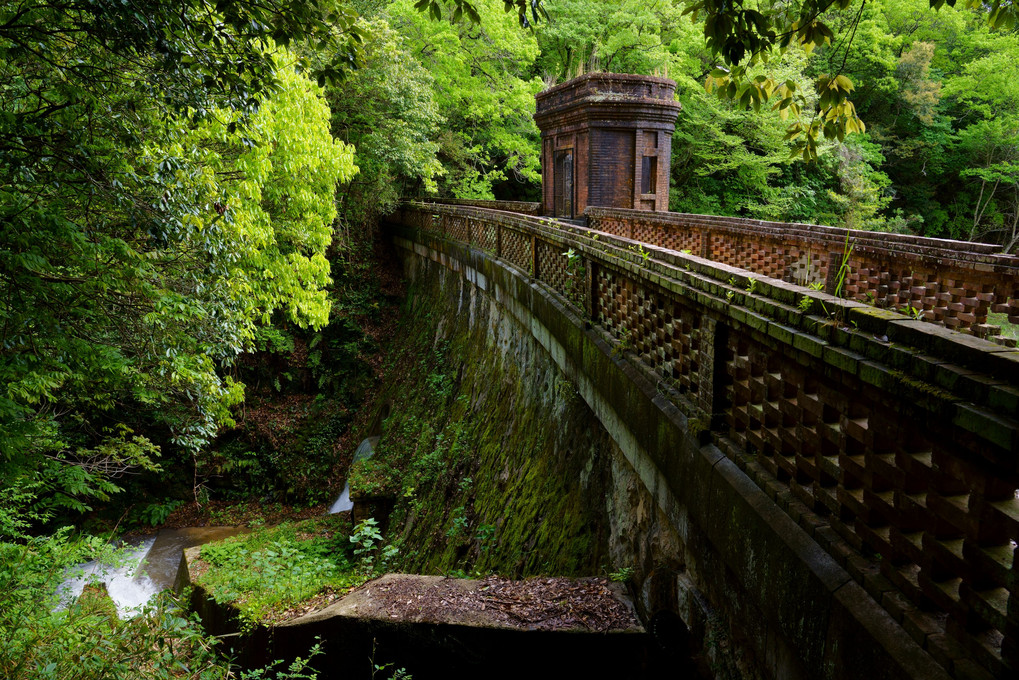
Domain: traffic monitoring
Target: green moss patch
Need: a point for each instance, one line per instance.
(373, 479)
(501, 466)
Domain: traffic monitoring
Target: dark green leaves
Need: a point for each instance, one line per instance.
(464, 9)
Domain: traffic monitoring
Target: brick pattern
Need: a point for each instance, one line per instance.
(664, 334)
(516, 248)
(552, 268)
(455, 227)
(954, 303)
(523, 207)
(595, 131)
(674, 239)
(951, 284)
(431, 221)
(766, 258)
(898, 488)
(920, 510)
(484, 235)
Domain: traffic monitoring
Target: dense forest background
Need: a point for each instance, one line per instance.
(190, 302)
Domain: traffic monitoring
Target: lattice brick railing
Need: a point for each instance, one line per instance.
(951, 283)
(894, 443)
(525, 207)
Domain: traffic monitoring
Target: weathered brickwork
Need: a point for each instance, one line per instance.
(606, 140)
(892, 443)
(524, 207)
(517, 247)
(484, 235)
(892, 483)
(551, 267)
(662, 332)
(953, 284)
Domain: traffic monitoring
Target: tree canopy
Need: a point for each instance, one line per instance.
(741, 37)
(155, 207)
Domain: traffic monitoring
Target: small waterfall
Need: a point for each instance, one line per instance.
(128, 587)
(364, 451)
(145, 567)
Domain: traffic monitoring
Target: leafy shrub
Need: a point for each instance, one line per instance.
(374, 478)
(156, 513)
(365, 539)
(271, 569)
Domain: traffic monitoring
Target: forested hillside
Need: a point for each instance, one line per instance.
(189, 196)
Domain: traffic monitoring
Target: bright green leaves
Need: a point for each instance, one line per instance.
(300, 165)
(387, 110)
(835, 118)
(734, 35)
(140, 247)
(1000, 15)
(748, 94)
(745, 38)
(738, 34)
(482, 87)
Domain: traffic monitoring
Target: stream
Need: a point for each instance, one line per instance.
(150, 564)
(146, 566)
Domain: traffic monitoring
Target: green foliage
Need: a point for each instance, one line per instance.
(742, 39)
(155, 514)
(273, 568)
(458, 528)
(463, 9)
(298, 669)
(484, 90)
(622, 575)
(366, 539)
(374, 478)
(86, 640)
(144, 246)
(643, 253)
(387, 110)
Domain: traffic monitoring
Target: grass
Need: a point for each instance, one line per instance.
(1008, 330)
(267, 573)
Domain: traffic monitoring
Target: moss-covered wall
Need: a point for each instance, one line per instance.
(501, 466)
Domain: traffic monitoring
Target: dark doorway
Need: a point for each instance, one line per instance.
(563, 183)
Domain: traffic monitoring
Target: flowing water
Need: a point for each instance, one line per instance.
(364, 451)
(145, 566)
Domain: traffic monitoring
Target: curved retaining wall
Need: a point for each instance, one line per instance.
(843, 478)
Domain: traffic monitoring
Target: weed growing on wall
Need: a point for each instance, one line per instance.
(576, 276)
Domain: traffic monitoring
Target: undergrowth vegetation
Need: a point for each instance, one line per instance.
(270, 571)
(85, 639)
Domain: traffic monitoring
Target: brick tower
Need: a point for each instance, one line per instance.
(606, 140)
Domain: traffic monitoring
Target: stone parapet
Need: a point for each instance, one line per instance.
(879, 451)
(524, 207)
(954, 284)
